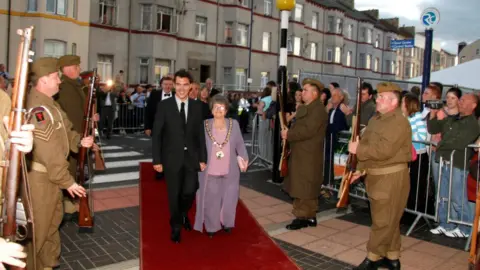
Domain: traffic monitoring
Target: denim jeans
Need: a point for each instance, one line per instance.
(460, 208)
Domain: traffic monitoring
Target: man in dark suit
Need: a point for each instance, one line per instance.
(179, 150)
(166, 84)
(107, 105)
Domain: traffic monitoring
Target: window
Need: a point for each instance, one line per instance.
(57, 6)
(329, 55)
(339, 26)
(54, 48)
(350, 31)
(74, 48)
(146, 17)
(377, 41)
(228, 32)
(407, 70)
(313, 51)
(362, 60)
(244, 3)
(368, 37)
(75, 9)
(165, 20)
(242, 34)
(376, 64)
(32, 5)
(330, 23)
(297, 46)
(201, 28)
(349, 59)
(105, 67)
(143, 78)
(478, 51)
(108, 12)
(266, 42)
(162, 68)
(298, 12)
(368, 64)
(240, 78)
(264, 79)
(315, 20)
(289, 44)
(267, 7)
(399, 66)
(392, 67)
(338, 55)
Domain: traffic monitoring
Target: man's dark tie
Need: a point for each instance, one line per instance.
(182, 114)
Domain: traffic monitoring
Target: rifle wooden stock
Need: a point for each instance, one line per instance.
(85, 217)
(351, 166)
(14, 175)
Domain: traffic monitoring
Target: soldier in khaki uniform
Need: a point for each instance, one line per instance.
(54, 138)
(306, 137)
(71, 98)
(383, 154)
(10, 251)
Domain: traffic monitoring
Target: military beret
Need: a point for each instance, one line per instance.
(317, 83)
(388, 87)
(44, 66)
(68, 60)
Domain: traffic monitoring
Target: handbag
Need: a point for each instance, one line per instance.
(414, 153)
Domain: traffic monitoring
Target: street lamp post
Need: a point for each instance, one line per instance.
(284, 6)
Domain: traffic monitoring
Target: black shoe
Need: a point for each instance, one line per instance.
(312, 222)
(227, 230)
(297, 224)
(186, 224)
(367, 264)
(210, 234)
(70, 217)
(175, 236)
(391, 264)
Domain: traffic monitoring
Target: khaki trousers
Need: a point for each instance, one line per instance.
(305, 208)
(388, 195)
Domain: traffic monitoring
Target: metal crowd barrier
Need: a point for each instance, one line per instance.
(262, 144)
(127, 119)
(425, 197)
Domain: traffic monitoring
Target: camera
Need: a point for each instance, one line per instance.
(434, 104)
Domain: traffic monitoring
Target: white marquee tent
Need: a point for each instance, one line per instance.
(465, 75)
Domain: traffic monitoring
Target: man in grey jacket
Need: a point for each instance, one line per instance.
(366, 111)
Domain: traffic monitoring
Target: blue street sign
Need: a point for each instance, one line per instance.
(402, 43)
(430, 17)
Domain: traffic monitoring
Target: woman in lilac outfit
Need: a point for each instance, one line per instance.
(218, 194)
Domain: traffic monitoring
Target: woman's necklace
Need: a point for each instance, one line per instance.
(219, 154)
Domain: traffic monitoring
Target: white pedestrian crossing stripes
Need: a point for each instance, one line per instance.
(122, 164)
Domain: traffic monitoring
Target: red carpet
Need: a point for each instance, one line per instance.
(248, 247)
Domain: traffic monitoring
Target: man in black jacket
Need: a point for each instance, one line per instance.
(154, 99)
(179, 150)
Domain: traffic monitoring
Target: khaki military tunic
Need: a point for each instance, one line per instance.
(384, 152)
(305, 165)
(53, 140)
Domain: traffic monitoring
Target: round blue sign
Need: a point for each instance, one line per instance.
(430, 17)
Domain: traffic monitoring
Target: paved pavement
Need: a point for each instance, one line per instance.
(337, 243)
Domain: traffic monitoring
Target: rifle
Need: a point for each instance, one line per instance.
(16, 211)
(351, 165)
(283, 164)
(473, 260)
(85, 216)
(97, 153)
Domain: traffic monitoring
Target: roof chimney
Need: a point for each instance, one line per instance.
(461, 45)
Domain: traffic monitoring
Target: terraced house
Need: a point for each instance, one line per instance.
(227, 40)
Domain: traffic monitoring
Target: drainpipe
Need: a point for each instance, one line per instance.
(250, 46)
(217, 69)
(8, 34)
(129, 40)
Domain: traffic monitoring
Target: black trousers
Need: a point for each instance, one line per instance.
(182, 186)
(107, 115)
(419, 181)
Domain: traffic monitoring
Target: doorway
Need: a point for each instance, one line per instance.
(204, 73)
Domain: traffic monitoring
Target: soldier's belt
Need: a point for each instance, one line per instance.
(38, 167)
(387, 170)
